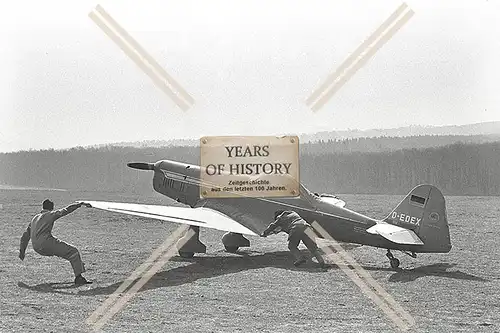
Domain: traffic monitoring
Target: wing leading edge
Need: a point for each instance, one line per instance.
(201, 217)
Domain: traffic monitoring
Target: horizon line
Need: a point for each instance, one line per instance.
(117, 143)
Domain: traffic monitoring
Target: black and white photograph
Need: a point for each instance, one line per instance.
(250, 166)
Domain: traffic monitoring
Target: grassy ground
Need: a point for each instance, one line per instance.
(258, 290)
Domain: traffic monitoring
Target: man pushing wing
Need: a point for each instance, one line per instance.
(40, 232)
(298, 230)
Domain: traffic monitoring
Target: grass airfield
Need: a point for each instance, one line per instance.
(257, 290)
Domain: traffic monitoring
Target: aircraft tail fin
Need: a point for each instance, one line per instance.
(423, 210)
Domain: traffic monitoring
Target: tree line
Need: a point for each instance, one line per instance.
(386, 143)
(457, 169)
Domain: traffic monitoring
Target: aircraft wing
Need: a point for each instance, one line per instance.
(201, 217)
(395, 234)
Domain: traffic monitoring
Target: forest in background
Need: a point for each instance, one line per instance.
(458, 165)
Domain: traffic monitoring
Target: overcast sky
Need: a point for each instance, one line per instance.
(249, 65)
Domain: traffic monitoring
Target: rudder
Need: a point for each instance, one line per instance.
(423, 210)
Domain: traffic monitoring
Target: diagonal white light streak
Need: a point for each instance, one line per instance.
(358, 58)
(170, 80)
(141, 58)
(330, 78)
(402, 319)
(135, 275)
(107, 310)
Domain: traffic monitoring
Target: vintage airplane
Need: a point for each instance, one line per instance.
(417, 225)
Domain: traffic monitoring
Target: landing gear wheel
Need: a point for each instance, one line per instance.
(231, 249)
(186, 254)
(189, 244)
(394, 263)
(233, 241)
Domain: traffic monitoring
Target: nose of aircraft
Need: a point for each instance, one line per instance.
(141, 165)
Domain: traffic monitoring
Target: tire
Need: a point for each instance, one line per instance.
(231, 249)
(186, 254)
(394, 263)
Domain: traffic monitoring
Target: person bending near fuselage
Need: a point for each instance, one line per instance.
(40, 232)
(298, 230)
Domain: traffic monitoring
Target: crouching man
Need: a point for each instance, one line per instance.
(298, 230)
(40, 232)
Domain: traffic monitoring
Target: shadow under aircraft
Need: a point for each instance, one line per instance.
(438, 269)
(213, 266)
(205, 267)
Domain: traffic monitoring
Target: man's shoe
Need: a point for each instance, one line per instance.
(299, 262)
(80, 280)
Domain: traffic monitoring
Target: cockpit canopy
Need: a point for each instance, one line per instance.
(323, 197)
